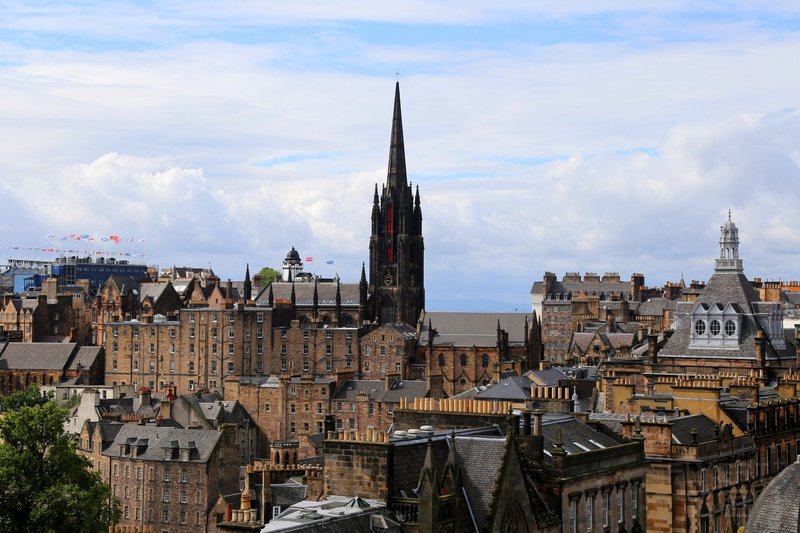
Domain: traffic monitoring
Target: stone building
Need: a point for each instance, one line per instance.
(47, 364)
(566, 303)
(472, 349)
(194, 350)
(167, 478)
(547, 473)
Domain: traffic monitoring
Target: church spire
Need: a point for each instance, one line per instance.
(397, 152)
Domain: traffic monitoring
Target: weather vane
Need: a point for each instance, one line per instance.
(397, 75)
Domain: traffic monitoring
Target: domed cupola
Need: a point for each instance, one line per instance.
(292, 265)
(729, 247)
(777, 509)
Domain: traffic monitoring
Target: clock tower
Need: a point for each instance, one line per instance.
(396, 249)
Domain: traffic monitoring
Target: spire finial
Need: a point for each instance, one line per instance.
(397, 75)
(397, 153)
(729, 214)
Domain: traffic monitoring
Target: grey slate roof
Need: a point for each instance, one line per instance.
(37, 355)
(777, 509)
(723, 288)
(473, 329)
(86, 357)
(157, 438)
(480, 459)
(376, 390)
(304, 293)
(577, 437)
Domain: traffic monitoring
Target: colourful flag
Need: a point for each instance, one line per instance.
(309, 259)
(114, 238)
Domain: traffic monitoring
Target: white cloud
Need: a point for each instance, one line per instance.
(618, 154)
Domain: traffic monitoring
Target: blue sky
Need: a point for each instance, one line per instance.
(583, 136)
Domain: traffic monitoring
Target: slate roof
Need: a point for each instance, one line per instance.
(473, 329)
(723, 288)
(777, 509)
(652, 307)
(152, 289)
(37, 355)
(514, 388)
(577, 437)
(480, 459)
(86, 357)
(286, 494)
(157, 438)
(304, 293)
(376, 390)
(549, 377)
(682, 429)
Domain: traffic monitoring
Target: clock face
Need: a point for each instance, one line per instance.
(387, 279)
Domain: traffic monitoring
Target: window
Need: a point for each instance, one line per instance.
(730, 328)
(135, 332)
(259, 317)
(276, 510)
(165, 494)
(589, 513)
(366, 366)
(319, 408)
(606, 502)
(702, 480)
(635, 502)
(165, 515)
(700, 327)
(485, 360)
(383, 351)
(714, 478)
(441, 359)
(166, 470)
(714, 327)
(231, 368)
(352, 407)
(621, 504)
(463, 359)
(573, 516)
(370, 409)
(183, 496)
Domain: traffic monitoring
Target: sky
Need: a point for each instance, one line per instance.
(544, 136)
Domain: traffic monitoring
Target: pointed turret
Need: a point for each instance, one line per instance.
(315, 303)
(248, 285)
(397, 152)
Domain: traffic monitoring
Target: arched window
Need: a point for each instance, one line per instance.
(485, 360)
(463, 359)
(441, 359)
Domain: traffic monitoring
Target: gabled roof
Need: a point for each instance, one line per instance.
(473, 329)
(158, 438)
(37, 355)
(304, 293)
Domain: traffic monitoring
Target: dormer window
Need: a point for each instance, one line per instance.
(715, 325)
(700, 327)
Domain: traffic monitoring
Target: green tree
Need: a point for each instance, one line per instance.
(29, 397)
(45, 486)
(268, 275)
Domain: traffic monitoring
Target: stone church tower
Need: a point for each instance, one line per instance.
(396, 250)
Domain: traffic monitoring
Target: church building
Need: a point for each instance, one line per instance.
(396, 249)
